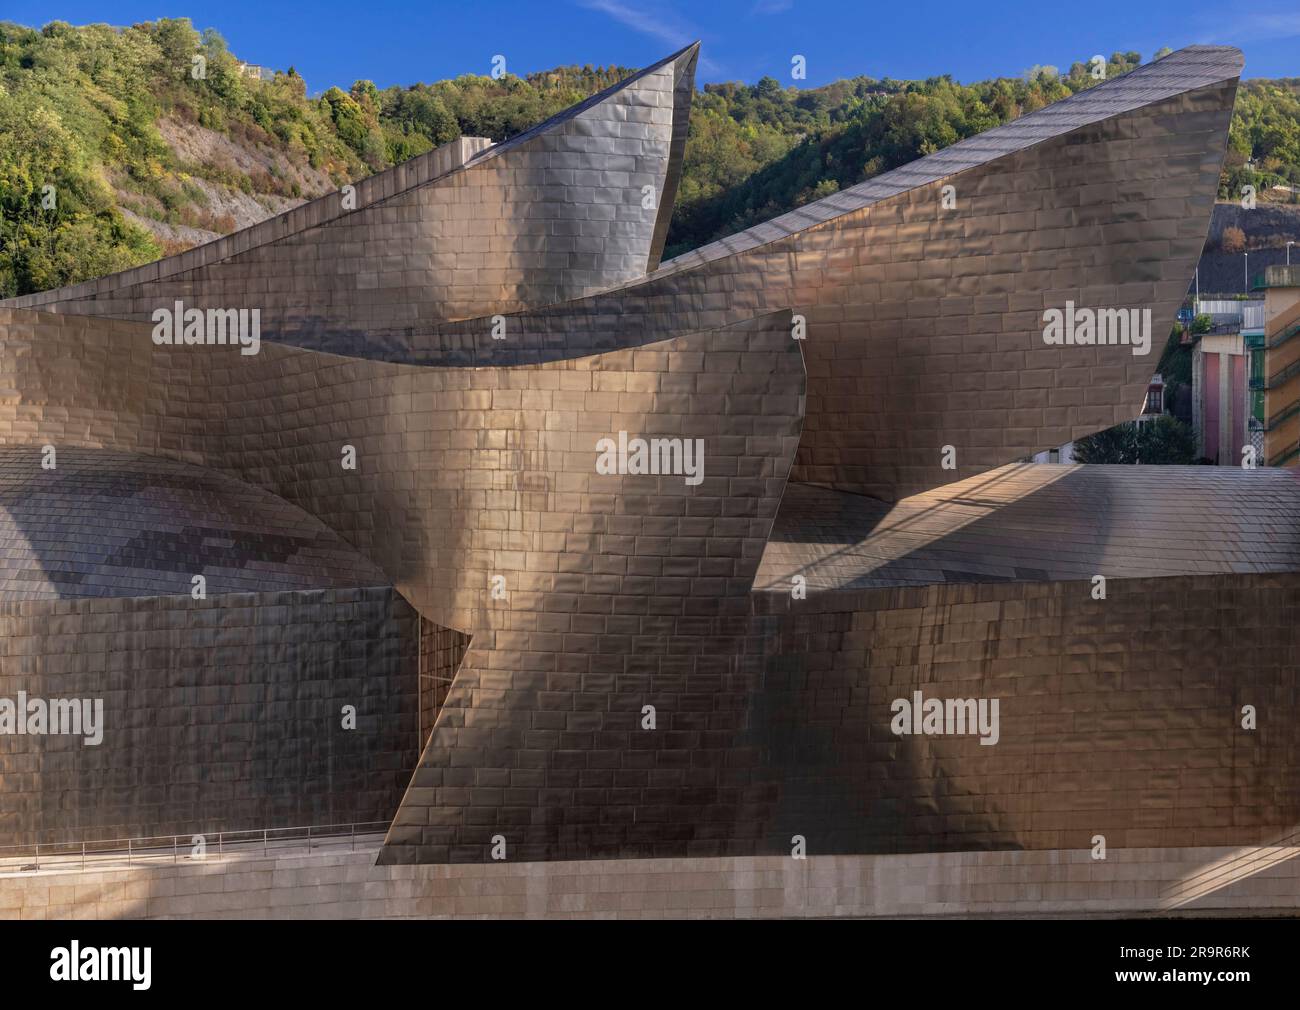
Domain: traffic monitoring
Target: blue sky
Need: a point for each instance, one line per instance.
(400, 43)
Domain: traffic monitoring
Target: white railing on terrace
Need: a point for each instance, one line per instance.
(1228, 308)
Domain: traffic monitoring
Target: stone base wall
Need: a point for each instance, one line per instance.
(1199, 881)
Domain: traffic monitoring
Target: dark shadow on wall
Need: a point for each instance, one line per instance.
(286, 696)
(1120, 718)
(102, 523)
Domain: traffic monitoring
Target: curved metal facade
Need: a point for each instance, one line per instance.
(925, 323)
(219, 702)
(576, 204)
(640, 679)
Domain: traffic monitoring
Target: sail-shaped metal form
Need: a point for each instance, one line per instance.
(625, 499)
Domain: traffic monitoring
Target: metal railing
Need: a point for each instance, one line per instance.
(1286, 413)
(1285, 375)
(196, 846)
(1284, 336)
(1278, 275)
(1284, 456)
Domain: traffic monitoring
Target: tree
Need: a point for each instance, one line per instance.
(1114, 445)
(1233, 240)
(349, 119)
(366, 95)
(1163, 442)
(1166, 441)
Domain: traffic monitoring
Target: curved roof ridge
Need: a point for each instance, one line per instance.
(422, 170)
(1187, 69)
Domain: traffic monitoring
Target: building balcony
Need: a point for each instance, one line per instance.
(1278, 276)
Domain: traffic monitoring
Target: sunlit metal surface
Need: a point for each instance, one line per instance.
(471, 228)
(629, 690)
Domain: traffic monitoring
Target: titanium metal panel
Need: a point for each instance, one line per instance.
(596, 601)
(925, 324)
(554, 213)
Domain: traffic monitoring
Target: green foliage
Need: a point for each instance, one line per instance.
(1176, 361)
(758, 151)
(80, 110)
(350, 121)
(1166, 440)
(1264, 138)
(480, 106)
(57, 216)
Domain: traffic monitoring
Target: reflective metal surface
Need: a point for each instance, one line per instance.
(218, 712)
(925, 324)
(468, 229)
(628, 688)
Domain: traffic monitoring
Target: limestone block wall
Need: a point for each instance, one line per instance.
(334, 885)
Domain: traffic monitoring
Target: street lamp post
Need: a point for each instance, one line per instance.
(1288, 252)
(1246, 271)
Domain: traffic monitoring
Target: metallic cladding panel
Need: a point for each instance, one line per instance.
(476, 460)
(1034, 522)
(1120, 717)
(552, 214)
(683, 92)
(447, 458)
(1188, 69)
(218, 715)
(467, 474)
(102, 523)
(925, 325)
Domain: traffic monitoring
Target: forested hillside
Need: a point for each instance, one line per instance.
(112, 151)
